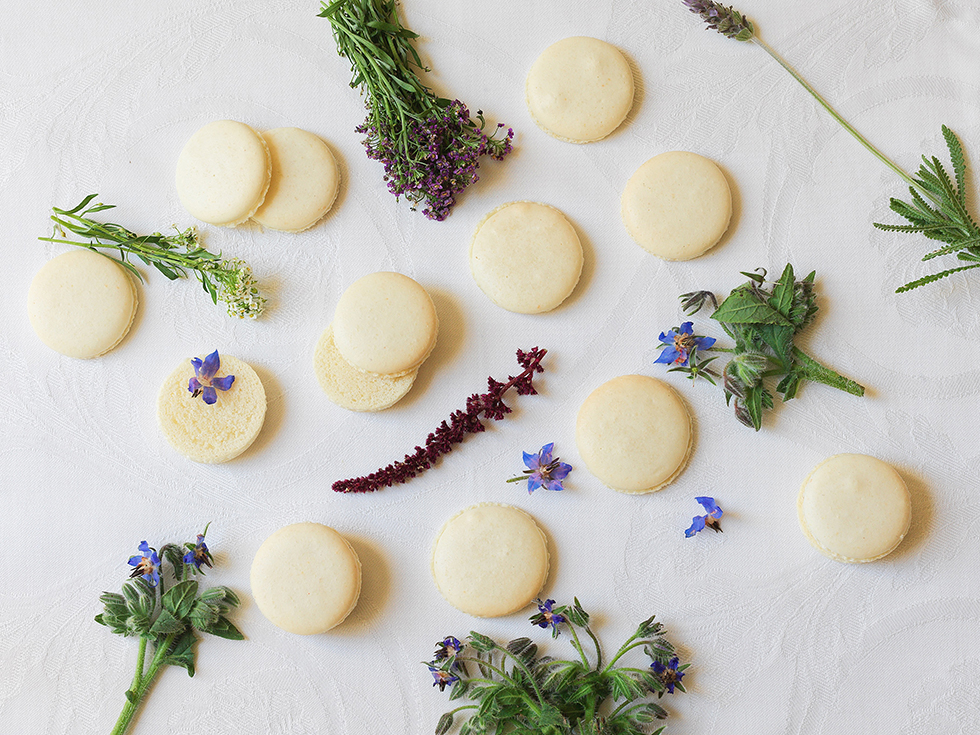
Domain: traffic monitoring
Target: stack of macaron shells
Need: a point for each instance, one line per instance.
(285, 179)
(384, 327)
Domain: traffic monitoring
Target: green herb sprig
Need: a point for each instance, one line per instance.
(230, 281)
(515, 690)
(938, 207)
(429, 145)
(165, 620)
(762, 318)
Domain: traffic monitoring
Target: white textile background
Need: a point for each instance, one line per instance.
(101, 96)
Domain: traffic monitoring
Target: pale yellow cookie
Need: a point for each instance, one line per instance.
(490, 560)
(526, 257)
(579, 89)
(677, 205)
(306, 578)
(304, 183)
(81, 303)
(634, 434)
(223, 173)
(385, 323)
(218, 432)
(854, 508)
(355, 389)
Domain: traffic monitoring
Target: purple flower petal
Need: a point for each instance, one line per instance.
(135, 561)
(705, 343)
(561, 472)
(533, 483)
(667, 337)
(668, 356)
(710, 505)
(210, 396)
(545, 453)
(531, 461)
(223, 383)
(211, 364)
(687, 328)
(196, 362)
(697, 525)
(193, 385)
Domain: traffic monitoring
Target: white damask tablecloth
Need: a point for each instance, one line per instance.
(101, 96)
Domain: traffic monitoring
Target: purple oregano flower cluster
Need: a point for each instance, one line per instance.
(488, 405)
(431, 161)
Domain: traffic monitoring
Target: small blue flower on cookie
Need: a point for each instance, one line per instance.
(204, 381)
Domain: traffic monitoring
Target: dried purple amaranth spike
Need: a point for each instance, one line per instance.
(489, 405)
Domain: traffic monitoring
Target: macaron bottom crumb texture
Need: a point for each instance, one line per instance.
(634, 434)
(355, 389)
(677, 205)
(490, 560)
(214, 433)
(526, 257)
(306, 578)
(854, 508)
(81, 304)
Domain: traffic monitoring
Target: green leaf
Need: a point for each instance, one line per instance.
(753, 404)
(624, 686)
(181, 652)
(523, 649)
(204, 615)
(744, 307)
(445, 724)
(481, 642)
(459, 689)
(179, 599)
(224, 629)
(166, 623)
(782, 293)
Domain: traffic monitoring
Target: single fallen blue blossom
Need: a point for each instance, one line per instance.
(680, 343)
(204, 383)
(146, 565)
(670, 675)
(543, 470)
(514, 689)
(546, 617)
(709, 520)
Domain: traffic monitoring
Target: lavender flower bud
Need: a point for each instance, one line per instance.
(727, 21)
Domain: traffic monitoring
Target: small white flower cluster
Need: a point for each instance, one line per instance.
(242, 295)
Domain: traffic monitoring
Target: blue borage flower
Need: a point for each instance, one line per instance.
(709, 520)
(546, 617)
(204, 383)
(543, 470)
(448, 647)
(146, 565)
(669, 675)
(442, 678)
(680, 342)
(198, 554)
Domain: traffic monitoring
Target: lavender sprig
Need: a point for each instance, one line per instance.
(938, 207)
(429, 145)
(488, 405)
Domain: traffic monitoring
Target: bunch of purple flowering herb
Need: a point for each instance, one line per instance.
(487, 405)
(762, 318)
(938, 207)
(515, 690)
(230, 281)
(166, 621)
(429, 145)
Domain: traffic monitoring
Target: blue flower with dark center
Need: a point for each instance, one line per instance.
(204, 382)
(543, 471)
(669, 676)
(448, 648)
(146, 565)
(546, 617)
(442, 678)
(709, 520)
(680, 342)
(198, 554)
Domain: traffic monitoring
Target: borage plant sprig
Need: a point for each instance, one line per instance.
(166, 620)
(518, 691)
(488, 405)
(762, 318)
(938, 207)
(227, 280)
(429, 145)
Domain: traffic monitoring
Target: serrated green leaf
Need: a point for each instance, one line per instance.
(166, 623)
(782, 292)
(743, 307)
(179, 599)
(224, 629)
(181, 652)
(204, 615)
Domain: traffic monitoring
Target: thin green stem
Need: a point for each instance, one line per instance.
(846, 125)
(598, 648)
(578, 646)
(626, 647)
(140, 690)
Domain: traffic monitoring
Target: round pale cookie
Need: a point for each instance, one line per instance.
(223, 173)
(526, 257)
(490, 560)
(385, 323)
(306, 578)
(214, 433)
(355, 389)
(854, 508)
(677, 205)
(579, 89)
(634, 434)
(81, 303)
(304, 184)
